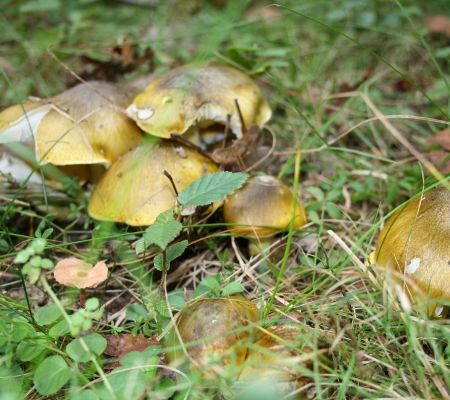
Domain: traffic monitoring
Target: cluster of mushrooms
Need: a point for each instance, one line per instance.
(126, 139)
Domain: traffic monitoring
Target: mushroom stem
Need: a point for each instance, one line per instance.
(82, 298)
(259, 245)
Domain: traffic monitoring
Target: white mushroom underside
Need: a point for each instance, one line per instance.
(18, 170)
(214, 113)
(24, 129)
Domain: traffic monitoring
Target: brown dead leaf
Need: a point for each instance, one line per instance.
(441, 138)
(119, 345)
(438, 24)
(123, 58)
(74, 272)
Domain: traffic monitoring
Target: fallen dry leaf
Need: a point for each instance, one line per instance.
(441, 138)
(438, 24)
(74, 272)
(120, 345)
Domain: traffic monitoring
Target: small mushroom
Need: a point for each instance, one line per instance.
(415, 242)
(272, 367)
(198, 94)
(135, 189)
(215, 334)
(260, 209)
(83, 125)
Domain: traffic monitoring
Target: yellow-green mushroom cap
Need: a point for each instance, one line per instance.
(272, 365)
(262, 207)
(17, 121)
(198, 94)
(135, 190)
(83, 125)
(216, 333)
(415, 242)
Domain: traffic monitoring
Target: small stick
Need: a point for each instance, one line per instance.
(172, 182)
(226, 132)
(241, 118)
(186, 142)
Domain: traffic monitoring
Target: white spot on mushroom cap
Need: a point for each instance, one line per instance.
(413, 266)
(266, 179)
(140, 113)
(438, 310)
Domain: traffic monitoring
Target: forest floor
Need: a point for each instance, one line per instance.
(360, 97)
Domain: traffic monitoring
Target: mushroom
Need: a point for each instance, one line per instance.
(415, 242)
(77, 273)
(135, 189)
(83, 125)
(200, 94)
(272, 367)
(260, 209)
(215, 334)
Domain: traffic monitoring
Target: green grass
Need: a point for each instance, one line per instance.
(316, 61)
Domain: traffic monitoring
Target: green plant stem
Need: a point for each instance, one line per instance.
(290, 235)
(85, 347)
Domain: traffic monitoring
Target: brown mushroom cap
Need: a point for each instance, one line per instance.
(416, 242)
(135, 190)
(83, 125)
(262, 207)
(198, 93)
(214, 331)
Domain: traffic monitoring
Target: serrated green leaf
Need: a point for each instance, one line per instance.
(161, 308)
(139, 246)
(317, 193)
(173, 252)
(209, 284)
(51, 375)
(211, 187)
(163, 231)
(136, 312)
(232, 288)
(177, 299)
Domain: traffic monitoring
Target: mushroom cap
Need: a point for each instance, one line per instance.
(83, 125)
(78, 273)
(19, 122)
(416, 242)
(135, 190)
(272, 364)
(262, 207)
(214, 331)
(198, 93)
